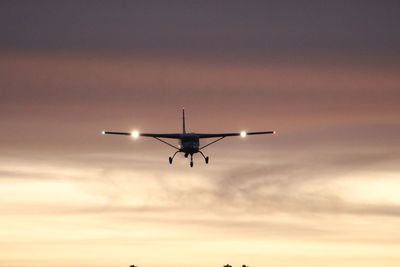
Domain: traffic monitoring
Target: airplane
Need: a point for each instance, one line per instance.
(189, 142)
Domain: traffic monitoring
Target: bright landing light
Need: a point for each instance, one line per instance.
(243, 134)
(135, 134)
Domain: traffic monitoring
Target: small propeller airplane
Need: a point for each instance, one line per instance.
(189, 142)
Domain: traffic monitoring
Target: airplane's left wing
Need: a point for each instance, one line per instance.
(232, 134)
(137, 134)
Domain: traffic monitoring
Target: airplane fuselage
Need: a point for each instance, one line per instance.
(190, 144)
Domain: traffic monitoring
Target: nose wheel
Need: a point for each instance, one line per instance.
(191, 160)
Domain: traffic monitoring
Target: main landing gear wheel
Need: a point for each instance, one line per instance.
(205, 158)
(172, 158)
(191, 164)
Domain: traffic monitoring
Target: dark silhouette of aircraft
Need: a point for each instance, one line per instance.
(189, 142)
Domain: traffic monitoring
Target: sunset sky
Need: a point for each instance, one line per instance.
(324, 191)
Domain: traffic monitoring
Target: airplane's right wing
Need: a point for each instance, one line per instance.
(232, 134)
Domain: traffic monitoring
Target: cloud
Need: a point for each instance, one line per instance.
(310, 185)
(287, 184)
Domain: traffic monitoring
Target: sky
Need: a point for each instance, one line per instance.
(323, 191)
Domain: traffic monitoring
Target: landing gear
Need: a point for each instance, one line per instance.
(205, 158)
(171, 158)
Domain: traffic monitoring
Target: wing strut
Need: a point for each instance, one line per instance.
(166, 143)
(212, 142)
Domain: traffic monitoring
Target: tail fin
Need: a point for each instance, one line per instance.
(183, 121)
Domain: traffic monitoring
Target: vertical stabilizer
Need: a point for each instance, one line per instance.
(183, 121)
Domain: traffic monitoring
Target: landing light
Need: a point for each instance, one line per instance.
(243, 134)
(135, 134)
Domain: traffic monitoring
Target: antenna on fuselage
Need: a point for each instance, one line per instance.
(183, 121)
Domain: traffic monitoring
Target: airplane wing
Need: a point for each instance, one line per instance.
(232, 134)
(137, 134)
